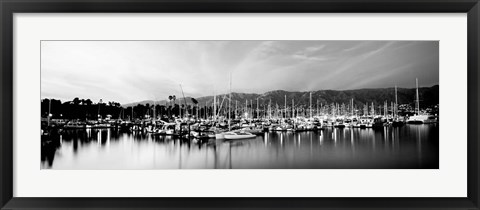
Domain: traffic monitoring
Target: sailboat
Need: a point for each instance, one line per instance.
(237, 135)
(219, 134)
(420, 118)
(397, 122)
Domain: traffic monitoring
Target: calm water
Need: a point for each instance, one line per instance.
(410, 146)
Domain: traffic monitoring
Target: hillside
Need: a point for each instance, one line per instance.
(429, 96)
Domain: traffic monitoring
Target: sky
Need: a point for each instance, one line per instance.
(132, 71)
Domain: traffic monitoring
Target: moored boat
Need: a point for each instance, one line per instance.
(237, 135)
(422, 119)
(378, 122)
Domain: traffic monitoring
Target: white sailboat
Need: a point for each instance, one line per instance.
(237, 135)
(420, 118)
(218, 133)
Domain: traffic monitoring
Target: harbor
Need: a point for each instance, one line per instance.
(240, 105)
(321, 137)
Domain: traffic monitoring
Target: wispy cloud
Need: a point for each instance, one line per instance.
(311, 54)
(128, 71)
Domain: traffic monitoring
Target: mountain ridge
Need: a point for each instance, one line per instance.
(429, 96)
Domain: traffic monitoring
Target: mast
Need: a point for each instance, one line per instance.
(276, 110)
(229, 102)
(373, 110)
(352, 107)
(293, 108)
(184, 100)
(365, 109)
(49, 111)
(310, 104)
(417, 105)
(98, 116)
(337, 109)
(385, 105)
(246, 106)
(257, 109)
(251, 108)
(270, 109)
(264, 112)
(214, 105)
(285, 106)
(317, 109)
(236, 102)
(392, 108)
(395, 109)
(154, 112)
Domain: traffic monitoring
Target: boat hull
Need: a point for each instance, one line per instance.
(238, 137)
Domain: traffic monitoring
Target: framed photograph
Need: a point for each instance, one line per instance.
(239, 105)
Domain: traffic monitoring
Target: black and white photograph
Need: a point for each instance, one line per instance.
(240, 104)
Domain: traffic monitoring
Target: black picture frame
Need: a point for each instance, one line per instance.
(9, 7)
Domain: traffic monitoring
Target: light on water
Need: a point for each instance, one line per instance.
(409, 146)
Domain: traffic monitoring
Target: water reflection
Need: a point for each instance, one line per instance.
(410, 146)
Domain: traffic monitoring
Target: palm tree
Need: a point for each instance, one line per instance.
(170, 98)
(76, 101)
(88, 102)
(173, 98)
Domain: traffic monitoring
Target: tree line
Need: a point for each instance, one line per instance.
(78, 108)
(85, 109)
